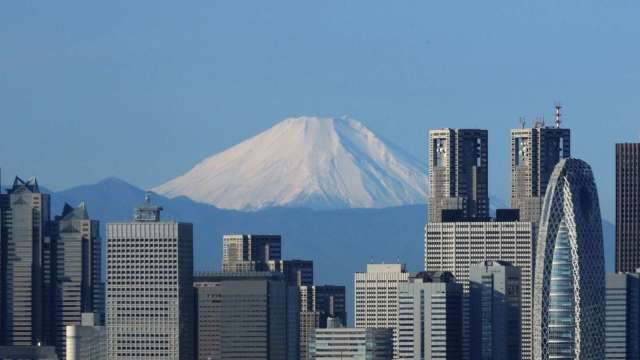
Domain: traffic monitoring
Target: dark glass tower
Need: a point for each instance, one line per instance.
(25, 217)
(458, 169)
(534, 153)
(627, 207)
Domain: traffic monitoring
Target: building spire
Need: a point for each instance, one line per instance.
(558, 114)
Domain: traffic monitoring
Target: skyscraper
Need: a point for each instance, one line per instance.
(376, 295)
(458, 165)
(457, 246)
(250, 252)
(429, 318)
(534, 153)
(296, 272)
(318, 304)
(622, 334)
(25, 216)
(246, 315)
(627, 207)
(569, 301)
(495, 288)
(77, 273)
(149, 287)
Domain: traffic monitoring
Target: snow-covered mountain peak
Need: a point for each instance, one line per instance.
(322, 163)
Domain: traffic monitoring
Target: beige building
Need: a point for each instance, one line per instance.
(376, 296)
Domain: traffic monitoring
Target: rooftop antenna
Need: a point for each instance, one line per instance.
(522, 122)
(558, 114)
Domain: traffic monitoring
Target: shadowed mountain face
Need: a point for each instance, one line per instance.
(340, 242)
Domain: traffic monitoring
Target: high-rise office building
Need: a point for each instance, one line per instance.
(351, 343)
(494, 298)
(376, 295)
(25, 216)
(534, 153)
(458, 168)
(457, 246)
(296, 272)
(77, 273)
(569, 301)
(87, 340)
(627, 207)
(249, 252)
(318, 304)
(246, 315)
(149, 287)
(622, 316)
(430, 318)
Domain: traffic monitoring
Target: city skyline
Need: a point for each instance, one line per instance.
(327, 180)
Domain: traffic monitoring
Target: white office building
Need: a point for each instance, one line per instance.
(456, 246)
(376, 297)
(150, 287)
(430, 318)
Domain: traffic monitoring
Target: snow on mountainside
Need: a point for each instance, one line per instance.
(319, 163)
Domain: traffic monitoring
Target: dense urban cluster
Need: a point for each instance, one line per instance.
(526, 282)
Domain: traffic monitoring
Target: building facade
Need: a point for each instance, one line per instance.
(534, 153)
(429, 322)
(458, 168)
(77, 273)
(457, 246)
(149, 287)
(622, 322)
(296, 272)
(246, 315)
(627, 207)
(87, 340)
(23, 271)
(376, 295)
(569, 302)
(245, 252)
(494, 296)
(318, 304)
(351, 343)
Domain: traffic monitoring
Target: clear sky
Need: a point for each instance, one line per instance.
(143, 90)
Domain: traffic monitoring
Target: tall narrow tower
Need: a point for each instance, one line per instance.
(627, 207)
(569, 301)
(77, 272)
(25, 215)
(458, 169)
(534, 153)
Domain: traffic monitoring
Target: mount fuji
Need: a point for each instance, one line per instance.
(311, 162)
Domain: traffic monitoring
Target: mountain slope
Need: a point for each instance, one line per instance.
(319, 163)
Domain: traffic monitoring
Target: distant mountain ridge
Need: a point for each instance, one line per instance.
(311, 162)
(339, 241)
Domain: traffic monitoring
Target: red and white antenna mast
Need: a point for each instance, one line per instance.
(558, 114)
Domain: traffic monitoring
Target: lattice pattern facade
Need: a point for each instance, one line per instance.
(569, 305)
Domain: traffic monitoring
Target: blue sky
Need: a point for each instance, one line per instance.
(145, 89)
